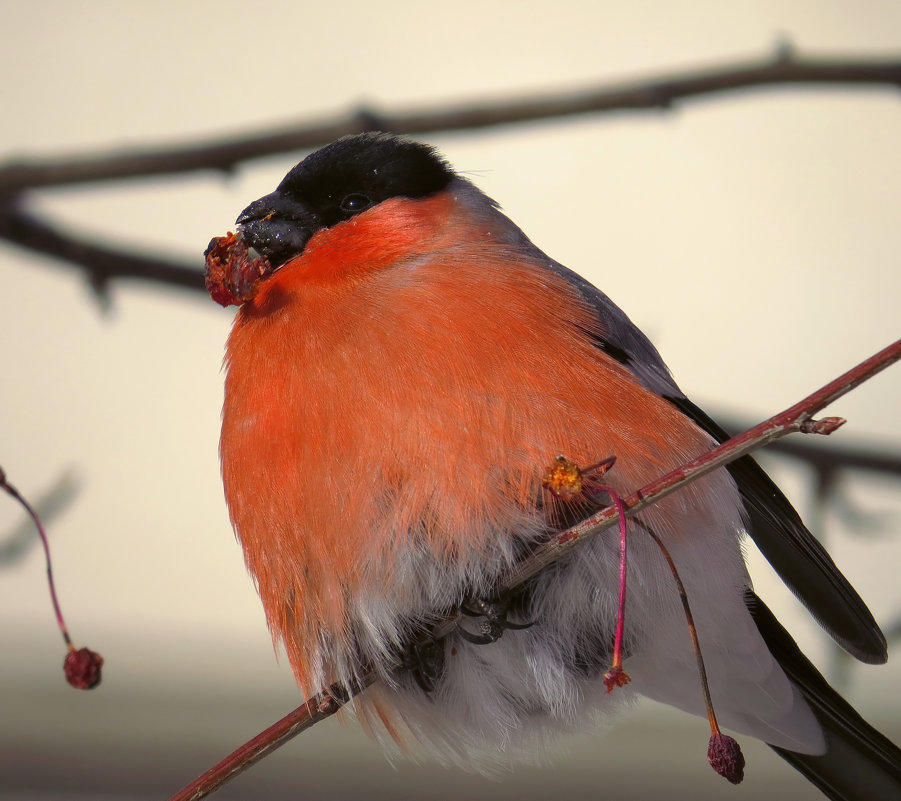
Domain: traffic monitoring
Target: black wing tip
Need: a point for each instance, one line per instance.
(796, 555)
(872, 651)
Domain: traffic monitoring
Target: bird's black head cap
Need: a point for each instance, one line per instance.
(336, 183)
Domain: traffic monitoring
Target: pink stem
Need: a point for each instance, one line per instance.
(616, 676)
(621, 610)
(11, 490)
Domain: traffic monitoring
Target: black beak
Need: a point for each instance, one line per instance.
(277, 227)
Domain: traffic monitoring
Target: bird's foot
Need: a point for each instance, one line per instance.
(494, 614)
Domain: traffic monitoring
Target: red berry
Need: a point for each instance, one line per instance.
(82, 668)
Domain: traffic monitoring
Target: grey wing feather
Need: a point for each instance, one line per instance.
(776, 528)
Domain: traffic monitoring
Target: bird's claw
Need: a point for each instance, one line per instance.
(495, 622)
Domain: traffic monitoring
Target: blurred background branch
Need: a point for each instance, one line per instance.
(49, 504)
(658, 93)
(103, 263)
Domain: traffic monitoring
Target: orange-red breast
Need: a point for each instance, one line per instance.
(404, 366)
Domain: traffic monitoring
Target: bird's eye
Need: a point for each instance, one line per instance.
(354, 203)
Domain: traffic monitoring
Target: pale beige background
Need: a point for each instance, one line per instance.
(756, 238)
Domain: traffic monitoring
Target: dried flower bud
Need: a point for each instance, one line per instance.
(616, 677)
(563, 479)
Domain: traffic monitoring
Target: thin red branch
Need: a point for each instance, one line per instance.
(319, 707)
(798, 417)
(655, 93)
(830, 458)
(795, 418)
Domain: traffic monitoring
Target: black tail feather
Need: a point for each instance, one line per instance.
(860, 764)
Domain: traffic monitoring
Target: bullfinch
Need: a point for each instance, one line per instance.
(403, 368)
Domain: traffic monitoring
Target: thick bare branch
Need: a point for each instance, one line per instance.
(101, 263)
(655, 93)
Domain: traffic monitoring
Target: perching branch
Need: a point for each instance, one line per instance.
(321, 706)
(798, 417)
(225, 154)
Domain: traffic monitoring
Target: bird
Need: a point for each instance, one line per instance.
(405, 371)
